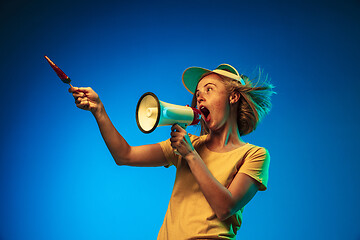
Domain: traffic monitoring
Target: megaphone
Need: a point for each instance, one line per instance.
(152, 113)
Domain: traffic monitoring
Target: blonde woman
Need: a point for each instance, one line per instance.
(217, 173)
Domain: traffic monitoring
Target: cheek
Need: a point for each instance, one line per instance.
(222, 108)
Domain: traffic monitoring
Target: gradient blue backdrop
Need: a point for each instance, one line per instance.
(58, 181)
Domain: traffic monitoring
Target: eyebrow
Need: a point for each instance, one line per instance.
(205, 86)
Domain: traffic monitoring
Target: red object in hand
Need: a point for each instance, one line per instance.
(59, 72)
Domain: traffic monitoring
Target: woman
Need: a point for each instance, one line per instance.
(217, 173)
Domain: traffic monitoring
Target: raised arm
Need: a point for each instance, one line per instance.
(123, 154)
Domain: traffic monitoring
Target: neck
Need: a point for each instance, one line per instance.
(226, 138)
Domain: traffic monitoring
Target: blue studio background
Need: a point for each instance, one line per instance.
(57, 178)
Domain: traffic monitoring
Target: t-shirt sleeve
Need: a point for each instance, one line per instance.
(256, 165)
(169, 153)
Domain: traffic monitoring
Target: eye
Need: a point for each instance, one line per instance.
(209, 89)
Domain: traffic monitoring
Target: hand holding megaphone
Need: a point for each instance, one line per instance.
(180, 141)
(152, 113)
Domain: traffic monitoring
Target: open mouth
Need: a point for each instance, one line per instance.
(205, 112)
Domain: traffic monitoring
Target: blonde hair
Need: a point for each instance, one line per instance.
(254, 103)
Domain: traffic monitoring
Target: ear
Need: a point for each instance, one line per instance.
(234, 97)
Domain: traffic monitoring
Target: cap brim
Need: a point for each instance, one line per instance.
(191, 77)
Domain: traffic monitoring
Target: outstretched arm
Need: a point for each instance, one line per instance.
(122, 152)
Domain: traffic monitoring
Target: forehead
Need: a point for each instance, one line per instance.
(211, 78)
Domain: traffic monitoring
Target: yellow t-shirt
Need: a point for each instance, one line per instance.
(189, 215)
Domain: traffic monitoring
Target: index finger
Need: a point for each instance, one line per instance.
(73, 89)
(79, 89)
(177, 127)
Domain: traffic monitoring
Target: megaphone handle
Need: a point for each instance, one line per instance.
(183, 125)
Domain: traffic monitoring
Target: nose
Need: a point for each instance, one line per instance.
(200, 97)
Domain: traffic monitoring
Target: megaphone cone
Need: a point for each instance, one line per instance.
(152, 113)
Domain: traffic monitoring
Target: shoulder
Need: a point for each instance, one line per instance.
(253, 150)
(197, 139)
(256, 165)
(256, 156)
